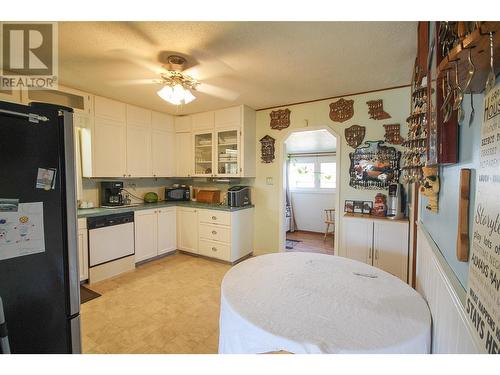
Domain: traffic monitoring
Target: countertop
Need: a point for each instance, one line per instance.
(92, 212)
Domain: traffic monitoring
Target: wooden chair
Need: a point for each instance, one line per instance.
(329, 220)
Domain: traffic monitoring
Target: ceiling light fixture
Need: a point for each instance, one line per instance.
(177, 86)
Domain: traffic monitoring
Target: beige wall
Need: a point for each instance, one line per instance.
(316, 114)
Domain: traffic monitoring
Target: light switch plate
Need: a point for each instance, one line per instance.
(269, 181)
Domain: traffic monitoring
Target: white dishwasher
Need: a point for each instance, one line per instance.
(111, 245)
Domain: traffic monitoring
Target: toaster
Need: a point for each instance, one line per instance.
(238, 196)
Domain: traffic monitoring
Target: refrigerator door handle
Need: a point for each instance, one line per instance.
(32, 117)
(4, 338)
(71, 219)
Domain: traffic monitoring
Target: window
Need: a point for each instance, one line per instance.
(312, 173)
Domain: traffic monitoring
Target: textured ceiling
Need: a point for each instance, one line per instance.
(311, 141)
(264, 64)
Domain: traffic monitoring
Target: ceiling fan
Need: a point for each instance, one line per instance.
(178, 78)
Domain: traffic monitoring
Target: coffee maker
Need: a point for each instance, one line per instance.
(394, 201)
(111, 193)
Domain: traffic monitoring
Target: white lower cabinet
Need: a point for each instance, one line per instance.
(154, 232)
(378, 242)
(83, 249)
(225, 235)
(187, 229)
(216, 234)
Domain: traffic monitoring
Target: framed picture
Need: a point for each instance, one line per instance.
(358, 207)
(349, 206)
(367, 207)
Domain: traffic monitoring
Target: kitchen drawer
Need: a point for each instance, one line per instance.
(215, 217)
(215, 250)
(215, 233)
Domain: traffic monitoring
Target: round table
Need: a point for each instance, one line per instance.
(317, 303)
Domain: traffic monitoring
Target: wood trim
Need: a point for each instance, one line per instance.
(414, 220)
(334, 97)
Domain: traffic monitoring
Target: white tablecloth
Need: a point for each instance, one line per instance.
(316, 303)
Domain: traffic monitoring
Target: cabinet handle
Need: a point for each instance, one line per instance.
(370, 254)
(376, 253)
(214, 249)
(214, 217)
(214, 232)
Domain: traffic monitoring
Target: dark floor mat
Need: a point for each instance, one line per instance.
(87, 294)
(291, 243)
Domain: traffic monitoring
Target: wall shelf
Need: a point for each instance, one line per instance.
(478, 43)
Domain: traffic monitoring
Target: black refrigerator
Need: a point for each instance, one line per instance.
(39, 280)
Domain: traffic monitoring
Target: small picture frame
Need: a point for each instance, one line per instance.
(358, 207)
(367, 207)
(349, 206)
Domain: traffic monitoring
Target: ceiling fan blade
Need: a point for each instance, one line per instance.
(208, 66)
(143, 61)
(218, 92)
(133, 82)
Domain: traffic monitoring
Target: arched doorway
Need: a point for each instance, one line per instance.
(296, 133)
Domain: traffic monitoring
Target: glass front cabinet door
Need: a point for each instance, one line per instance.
(227, 153)
(203, 154)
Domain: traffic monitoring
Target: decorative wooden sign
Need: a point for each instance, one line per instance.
(463, 216)
(430, 187)
(267, 149)
(280, 119)
(483, 284)
(376, 110)
(393, 134)
(354, 135)
(341, 110)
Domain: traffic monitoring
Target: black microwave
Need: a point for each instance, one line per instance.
(177, 194)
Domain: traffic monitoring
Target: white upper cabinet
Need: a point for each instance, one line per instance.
(203, 121)
(162, 121)
(110, 109)
(139, 152)
(182, 123)
(10, 96)
(228, 117)
(184, 155)
(109, 149)
(138, 142)
(80, 101)
(139, 117)
(163, 153)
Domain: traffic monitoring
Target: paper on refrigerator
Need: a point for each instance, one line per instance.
(21, 228)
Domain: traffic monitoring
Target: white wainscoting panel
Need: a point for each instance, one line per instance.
(451, 332)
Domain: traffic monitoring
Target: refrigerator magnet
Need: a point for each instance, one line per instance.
(46, 178)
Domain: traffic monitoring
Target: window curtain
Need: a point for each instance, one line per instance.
(288, 204)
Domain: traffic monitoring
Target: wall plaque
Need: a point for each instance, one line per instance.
(483, 287)
(374, 166)
(341, 110)
(376, 110)
(267, 149)
(280, 119)
(354, 135)
(393, 134)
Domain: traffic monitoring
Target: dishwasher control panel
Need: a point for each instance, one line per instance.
(110, 220)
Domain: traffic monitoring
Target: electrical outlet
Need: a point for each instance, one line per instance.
(269, 181)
